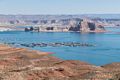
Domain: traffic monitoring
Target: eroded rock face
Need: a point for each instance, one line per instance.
(23, 64)
(113, 68)
(87, 26)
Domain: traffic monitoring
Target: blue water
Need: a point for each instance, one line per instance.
(106, 49)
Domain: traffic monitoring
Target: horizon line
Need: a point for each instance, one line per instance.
(69, 14)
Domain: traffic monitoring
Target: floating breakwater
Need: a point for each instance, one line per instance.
(54, 44)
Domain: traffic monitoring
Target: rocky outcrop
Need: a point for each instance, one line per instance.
(87, 26)
(114, 69)
(24, 64)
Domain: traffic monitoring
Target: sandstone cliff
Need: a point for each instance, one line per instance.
(87, 26)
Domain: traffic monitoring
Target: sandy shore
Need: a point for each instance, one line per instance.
(24, 64)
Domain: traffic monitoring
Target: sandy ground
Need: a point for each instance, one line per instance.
(24, 64)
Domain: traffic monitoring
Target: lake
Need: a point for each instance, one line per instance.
(105, 51)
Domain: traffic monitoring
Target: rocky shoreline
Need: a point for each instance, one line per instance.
(24, 64)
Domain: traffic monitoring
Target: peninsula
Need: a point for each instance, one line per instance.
(24, 64)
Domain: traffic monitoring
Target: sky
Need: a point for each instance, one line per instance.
(59, 6)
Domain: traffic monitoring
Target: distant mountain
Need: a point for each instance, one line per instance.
(61, 20)
(38, 17)
(49, 17)
(104, 16)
